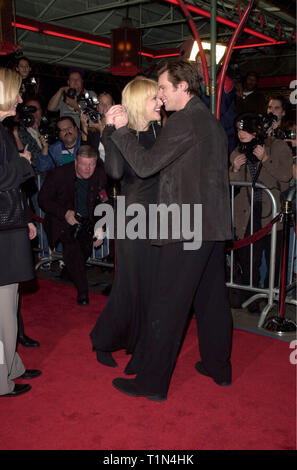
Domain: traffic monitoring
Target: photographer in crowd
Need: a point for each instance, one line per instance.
(93, 121)
(258, 159)
(277, 109)
(28, 131)
(69, 196)
(64, 150)
(66, 99)
(29, 83)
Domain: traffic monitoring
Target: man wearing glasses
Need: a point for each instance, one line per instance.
(64, 150)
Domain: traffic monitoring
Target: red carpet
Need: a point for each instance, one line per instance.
(74, 406)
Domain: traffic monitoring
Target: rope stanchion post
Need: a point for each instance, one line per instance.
(279, 324)
(271, 293)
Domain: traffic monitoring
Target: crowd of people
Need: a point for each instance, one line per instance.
(162, 146)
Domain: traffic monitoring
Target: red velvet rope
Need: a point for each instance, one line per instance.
(235, 244)
(255, 237)
(36, 218)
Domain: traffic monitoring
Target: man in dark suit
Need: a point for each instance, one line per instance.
(250, 99)
(71, 192)
(192, 158)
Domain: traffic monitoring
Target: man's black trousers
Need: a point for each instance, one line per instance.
(75, 254)
(183, 279)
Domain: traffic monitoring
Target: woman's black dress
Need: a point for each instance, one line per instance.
(121, 324)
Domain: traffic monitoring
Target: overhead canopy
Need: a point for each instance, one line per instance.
(78, 32)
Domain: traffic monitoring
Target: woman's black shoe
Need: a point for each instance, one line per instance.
(105, 358)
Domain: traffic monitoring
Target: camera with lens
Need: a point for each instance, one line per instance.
(28, 85)
(70, 93)
(26, 115)
(266, 121)
(88, 105)
(284, 133)
(289, 134)
(84, 224)
(49, 131)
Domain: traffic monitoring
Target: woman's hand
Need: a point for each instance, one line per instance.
(117, 115)
(32, 231)
(274, 125)
(238, 162)
(260, 153)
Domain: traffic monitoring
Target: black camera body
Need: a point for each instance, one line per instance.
(266, 120)
(26, 116)
(284, 133)
(49, 131)
(88, 105)
(28, 85)
(84, 224)
(70, 93)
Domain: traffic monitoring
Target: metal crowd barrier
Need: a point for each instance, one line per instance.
(271, 293)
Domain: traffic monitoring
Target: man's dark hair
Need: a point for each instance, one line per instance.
(249, 122)
(179, 71)
(76, 70)
(64, 118)
(280, 98)
(251, 73)
(23, 58)
(86, 151)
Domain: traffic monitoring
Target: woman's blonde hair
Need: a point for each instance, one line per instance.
(134, 98)
(10, 82)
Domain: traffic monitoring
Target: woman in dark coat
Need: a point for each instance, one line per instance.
(121, 324)
(16, 230)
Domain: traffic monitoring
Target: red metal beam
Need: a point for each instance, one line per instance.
(220, 19)
(74, 35)
(67, 33)
(259, 44)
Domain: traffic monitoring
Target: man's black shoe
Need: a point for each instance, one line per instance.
(27, 342)
(30, 374)
(129, 387)
(19, 389)
(201, 369)
(83, 299)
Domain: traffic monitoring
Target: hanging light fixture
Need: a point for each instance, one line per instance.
(125, 50)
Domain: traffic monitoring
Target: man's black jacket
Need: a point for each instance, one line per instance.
(57, 196)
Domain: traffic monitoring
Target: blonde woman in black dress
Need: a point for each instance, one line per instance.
(121, 324)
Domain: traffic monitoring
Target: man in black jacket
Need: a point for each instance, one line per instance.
(191, 156)
(69, 196)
